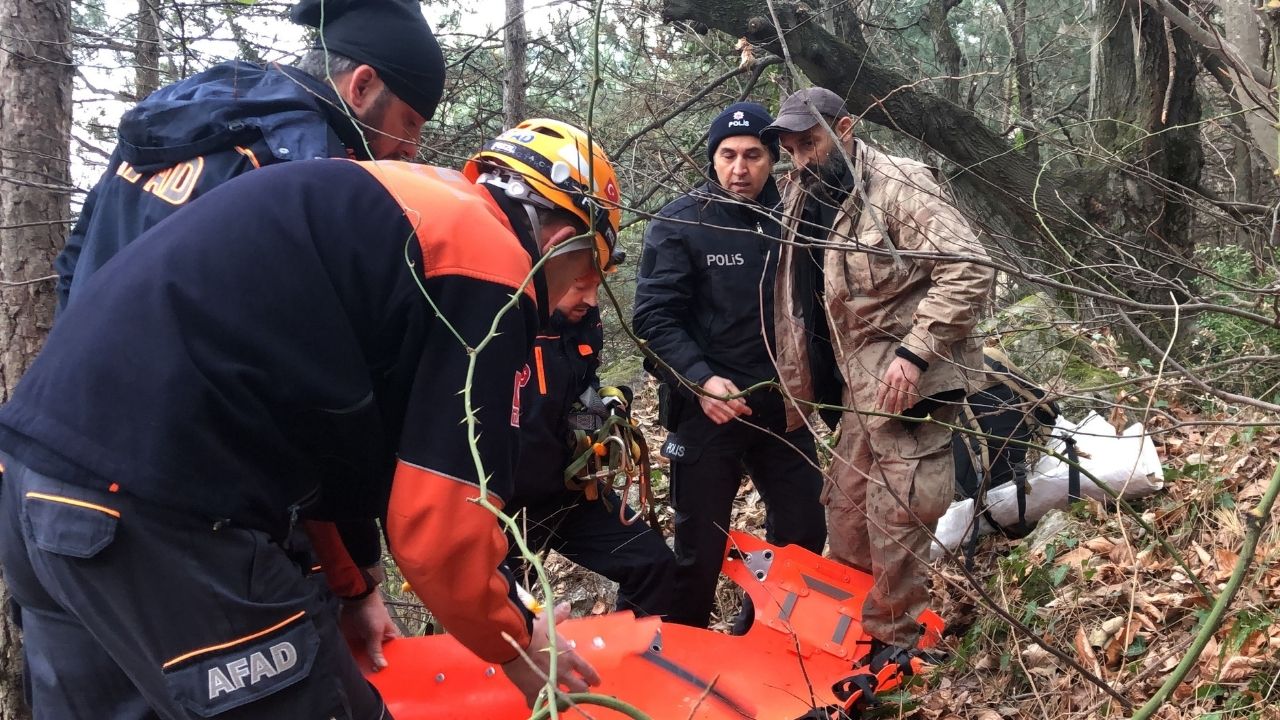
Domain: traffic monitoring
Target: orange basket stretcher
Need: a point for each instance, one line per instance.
(800, 659)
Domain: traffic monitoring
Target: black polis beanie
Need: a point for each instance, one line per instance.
(744, 118)
(391, 36)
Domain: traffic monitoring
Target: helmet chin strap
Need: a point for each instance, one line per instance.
(573, 244)
(534, 223)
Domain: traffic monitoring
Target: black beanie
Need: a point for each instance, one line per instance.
(391, 36)
(744, 118)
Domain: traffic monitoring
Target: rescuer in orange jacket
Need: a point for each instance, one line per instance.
(327, 339)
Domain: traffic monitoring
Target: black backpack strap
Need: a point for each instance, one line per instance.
(971, 546)
(977, 458)
(1020, 484)
(1073, 470)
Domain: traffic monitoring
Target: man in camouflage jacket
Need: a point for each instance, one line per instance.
(880, 284)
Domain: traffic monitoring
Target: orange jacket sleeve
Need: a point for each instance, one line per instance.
(451, 550)
(344, 577)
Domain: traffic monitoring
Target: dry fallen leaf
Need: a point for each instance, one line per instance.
(1100, 545)
(1038, 661)
(1209, 659)
(1204, 557)
(1114, 653)
(1075, 558)
(1153, 613)
(1240, 667)
(1121, 555)
(1226, 562)
(1164, 660)
(940, 702)
(1084, 652)
(1112, 626)
(1146, 560)
(988, 714)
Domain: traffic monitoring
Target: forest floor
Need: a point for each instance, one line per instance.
(1103, 591)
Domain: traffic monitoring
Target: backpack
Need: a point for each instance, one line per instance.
(1007, 407)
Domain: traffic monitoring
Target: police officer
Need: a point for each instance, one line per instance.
(704, 303)
(265, 353)
(374, 78)
(583, 524)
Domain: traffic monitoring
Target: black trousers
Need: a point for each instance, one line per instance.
(707, 465)
(593, 536)
(130, 611)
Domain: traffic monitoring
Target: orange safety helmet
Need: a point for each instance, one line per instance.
(551, 158)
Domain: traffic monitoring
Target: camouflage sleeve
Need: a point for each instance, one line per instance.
(959, 282)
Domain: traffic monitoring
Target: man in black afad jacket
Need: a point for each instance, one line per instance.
(704, 303)
(267, 353)
(365, 91)
(586, 529)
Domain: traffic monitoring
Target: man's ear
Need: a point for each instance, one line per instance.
(360, 88)
(844, 128)
(557, 236)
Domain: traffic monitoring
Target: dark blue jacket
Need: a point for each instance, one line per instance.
(704, 293)
(565, 359)
(187, 138)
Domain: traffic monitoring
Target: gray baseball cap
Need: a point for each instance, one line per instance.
(796, 114)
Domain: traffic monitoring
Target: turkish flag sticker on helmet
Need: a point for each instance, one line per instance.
(611, 191)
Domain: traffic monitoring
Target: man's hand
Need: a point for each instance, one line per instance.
(722, 411)
(898, 387)
(366, 622)
(572, 672)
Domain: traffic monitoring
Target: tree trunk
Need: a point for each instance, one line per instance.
(1148, 115)
(514, 81)
(1242, 164)
(945, 47)
(1243, 31)
(838, 18)
(1015, 18)
(147, 49)
(35, 137)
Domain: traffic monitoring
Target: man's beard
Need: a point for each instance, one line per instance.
(825, 173)
(374, 119)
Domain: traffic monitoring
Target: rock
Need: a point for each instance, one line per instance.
(1047, 344)
(1054, 524)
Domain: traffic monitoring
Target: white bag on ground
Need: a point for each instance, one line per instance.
(1126, 462)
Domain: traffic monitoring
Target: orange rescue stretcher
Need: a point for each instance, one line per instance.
(800, 659)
